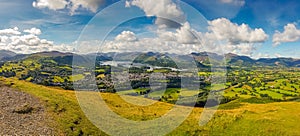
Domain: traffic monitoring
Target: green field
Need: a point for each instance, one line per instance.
(233, 118)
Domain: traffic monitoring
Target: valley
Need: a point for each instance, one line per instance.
(259, 99)
(155, 76)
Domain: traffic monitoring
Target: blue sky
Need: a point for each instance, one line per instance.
(62, 23)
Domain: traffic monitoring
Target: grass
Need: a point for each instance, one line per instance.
(274, 95)
(285, 92)
(100, 76)
(256, 100)
(231, 105)
(21, 67)
(76, 77)
(217, 86)
(230, 93)
(234, 118)
(58, 79)
(100, 70)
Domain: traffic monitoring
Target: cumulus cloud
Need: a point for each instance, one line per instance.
(51, 4)
(224, 29)
(91, 5)
(3, 38)
(126, 36)
(34, 31)
(179, 41)
(166, 11)
(72, 5)
(227, 37)
(148, 45)
(27, 42)
(10, 31)
(290, 34)
(183, 35)
(222, 36)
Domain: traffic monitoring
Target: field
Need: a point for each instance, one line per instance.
(234, 118)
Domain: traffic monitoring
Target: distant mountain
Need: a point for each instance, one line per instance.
(236, 60)
(6, 54)
(207, 58)
(202, 59)
(288, 62)
(51, 54)
(155, 59)
(17, 57)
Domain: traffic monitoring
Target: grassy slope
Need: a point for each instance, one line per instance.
(232, 119)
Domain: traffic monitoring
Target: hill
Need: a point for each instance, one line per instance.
(6, 54)
(235, 118)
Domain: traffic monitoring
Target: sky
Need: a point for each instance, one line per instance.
(255, 28)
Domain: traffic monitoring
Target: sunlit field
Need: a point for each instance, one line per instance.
(233, 118)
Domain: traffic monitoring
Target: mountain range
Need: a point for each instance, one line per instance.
(203, 59)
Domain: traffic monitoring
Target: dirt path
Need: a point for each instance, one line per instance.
(22, 114)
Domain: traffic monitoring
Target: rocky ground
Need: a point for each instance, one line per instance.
(22, 114)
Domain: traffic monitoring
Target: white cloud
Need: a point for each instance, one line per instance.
(27, 42)
(244, 49)
(239, 39)
(72, 5)
(168, 13)
(51, 4)
(83, 47)
(223, 36)
(30, 40)
(10, 31)
(178, 41)
(183, 35)
(3, 38)
(33, 31)
(91, 5)
(290, 34)
(126, 36)
(223, 29)
(149, 45)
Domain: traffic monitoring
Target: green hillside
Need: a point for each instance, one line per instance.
(234, 118)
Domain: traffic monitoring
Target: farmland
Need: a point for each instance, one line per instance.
(257, 99)
(270, 83)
